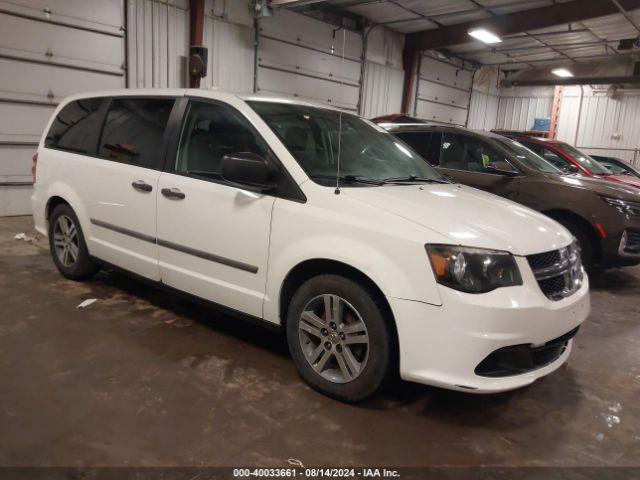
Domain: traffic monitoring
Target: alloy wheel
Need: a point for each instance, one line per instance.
(66, 241)
(333, 338)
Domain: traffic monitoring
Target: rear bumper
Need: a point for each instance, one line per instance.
(38, 210)
(444, 345)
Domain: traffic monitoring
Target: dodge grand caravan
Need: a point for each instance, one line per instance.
(385, 267)
(603, 216)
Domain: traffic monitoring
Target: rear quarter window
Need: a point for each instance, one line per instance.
(134, 131)
(76, 127)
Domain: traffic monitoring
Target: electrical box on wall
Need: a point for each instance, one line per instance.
(198, 61)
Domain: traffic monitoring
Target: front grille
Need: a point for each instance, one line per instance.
(518, 359)
(558, 272)
(630, 244)
(552, 286)
(544, 260)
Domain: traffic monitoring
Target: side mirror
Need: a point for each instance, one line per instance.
(248, 170)
(571, 168)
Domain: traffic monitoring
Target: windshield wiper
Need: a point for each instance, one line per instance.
(414, 179)
(350, 179)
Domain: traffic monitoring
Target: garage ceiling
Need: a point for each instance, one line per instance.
(586, 40)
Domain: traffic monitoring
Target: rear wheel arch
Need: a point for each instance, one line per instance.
(561, 215)
(52, 203)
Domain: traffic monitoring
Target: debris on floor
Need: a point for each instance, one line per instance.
(26, 238)
(87, 302)
(178, 322)
(295, 462)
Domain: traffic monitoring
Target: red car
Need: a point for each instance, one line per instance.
(572, 160)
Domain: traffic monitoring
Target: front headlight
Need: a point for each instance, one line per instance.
(623, 206)
(473, 270)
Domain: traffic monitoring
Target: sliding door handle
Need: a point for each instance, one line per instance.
(174, 193)
(142, 186)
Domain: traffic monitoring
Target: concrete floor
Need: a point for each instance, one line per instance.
(143, 378)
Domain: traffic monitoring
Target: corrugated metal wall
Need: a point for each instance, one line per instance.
(383, 73)
(49, 50)
(483, 110)
(443, 91)
(157, 43)
(601, 125)
(229, 35)
(519, 106)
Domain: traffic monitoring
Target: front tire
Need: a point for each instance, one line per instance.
(68, 247)
(339, 338)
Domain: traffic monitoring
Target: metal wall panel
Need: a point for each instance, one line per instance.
(22, 81)
(383, 74)
(443, 91)
(601, 125)
(303, 57)
(21, 122)
(518, 107)
(231, 57)
(157, 43)
(483, 111)
(100, 15)
(384, 47)
(382, 90)
(313, 89)
(37, 41)
(483, 108)
(49, 50)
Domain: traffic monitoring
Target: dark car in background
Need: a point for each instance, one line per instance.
(570, 159)
(617, 165)
(603, 216)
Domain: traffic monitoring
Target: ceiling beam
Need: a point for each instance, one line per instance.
(533, 19)
(626, 15)
(293, 3)
(559, 60)
(631, 80)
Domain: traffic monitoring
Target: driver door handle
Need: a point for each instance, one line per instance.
(173, 193)
(142, 186)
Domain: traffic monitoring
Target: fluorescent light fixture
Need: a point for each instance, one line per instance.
(562, 72)
(484, 35)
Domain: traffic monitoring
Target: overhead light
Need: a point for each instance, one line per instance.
(562, 72)
(484, 35)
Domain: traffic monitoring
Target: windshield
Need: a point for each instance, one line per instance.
(585, 160)
(614, 168)
(527, 157)
(367, 152)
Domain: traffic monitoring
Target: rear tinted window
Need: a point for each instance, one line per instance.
(134, 130)
(76, 127)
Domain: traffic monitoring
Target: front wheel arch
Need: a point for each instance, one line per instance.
(561, 216)
(314, 267)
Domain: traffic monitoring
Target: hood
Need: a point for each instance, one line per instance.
(626, 179)
(468, 216)
(600, 186)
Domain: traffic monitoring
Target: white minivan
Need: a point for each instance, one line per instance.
(318, 221)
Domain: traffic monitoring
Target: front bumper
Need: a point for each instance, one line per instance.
(620, 246)
(443, 345)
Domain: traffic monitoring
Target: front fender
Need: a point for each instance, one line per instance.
(393, 259)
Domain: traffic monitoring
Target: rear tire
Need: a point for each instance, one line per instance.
(345, 354)
(585, 242)
(68, 247)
